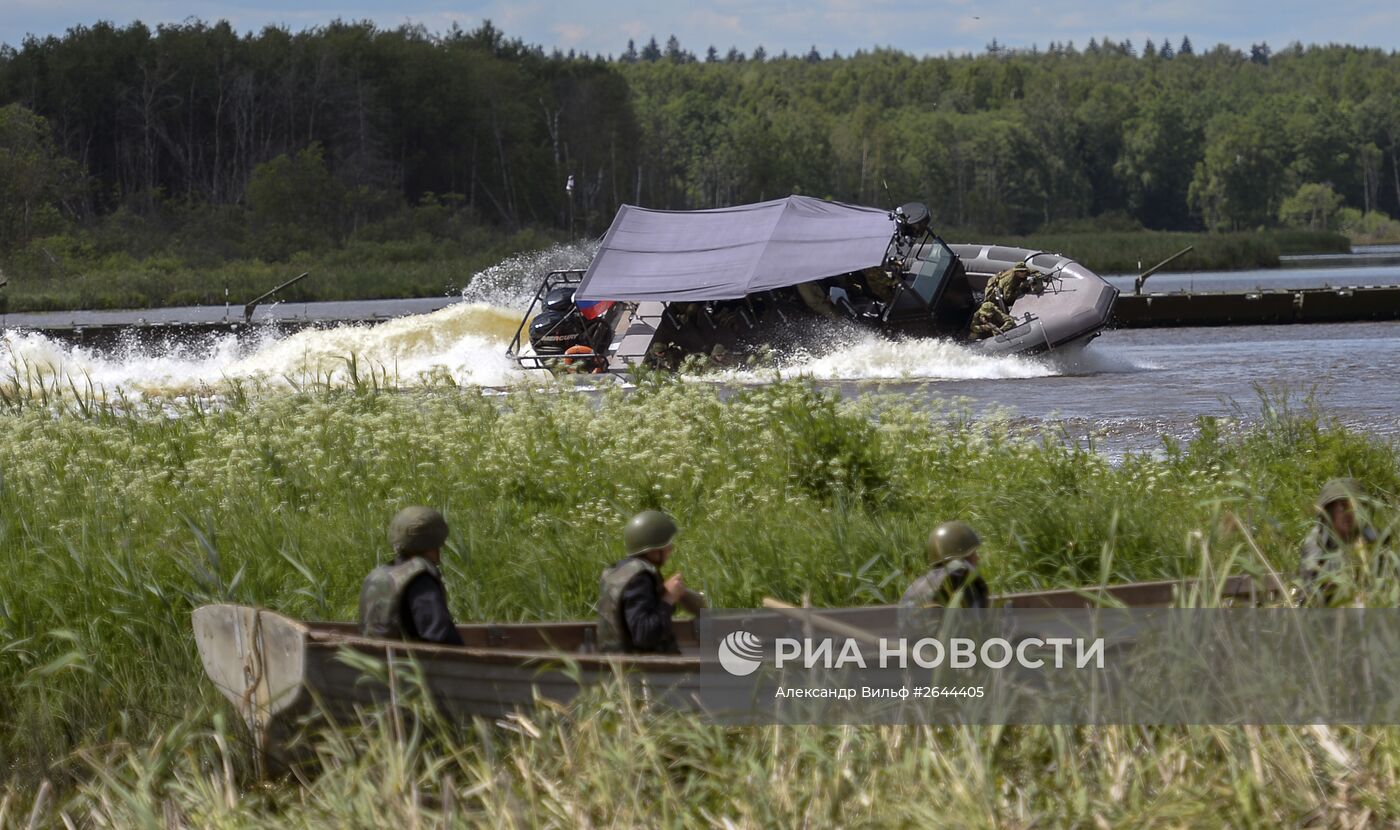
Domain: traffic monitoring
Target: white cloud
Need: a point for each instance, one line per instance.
(918, 26)
(570, 34)
(711, 21)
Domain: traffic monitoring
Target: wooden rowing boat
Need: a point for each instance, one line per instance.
(276, 670)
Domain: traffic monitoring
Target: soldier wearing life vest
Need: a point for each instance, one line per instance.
(405, 599)
(635, 604)
(954, 580)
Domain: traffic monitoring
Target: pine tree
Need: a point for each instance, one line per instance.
(651, 53)
(1149, 49)
(1185, 48)
(711, 55)
(814, 56)
(760, 54)
(630, 56)
(674, 53)
(1166, 51)
(734, 55)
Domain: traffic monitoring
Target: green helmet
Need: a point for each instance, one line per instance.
(1338, 489)
(417, 530)
(647, 531)
(952, 540)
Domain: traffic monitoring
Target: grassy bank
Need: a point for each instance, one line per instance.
(114, 526)
(1129, 252)
(65, 273)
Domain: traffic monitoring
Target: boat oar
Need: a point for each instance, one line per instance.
(807, 615)
(248, 309)
(1142, 278)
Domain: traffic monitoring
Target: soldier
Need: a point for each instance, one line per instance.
(634, 603)
(989, 321)
(814, 295)
(1337, 532)
(406, 600)
(954, 581)
(1010, 285)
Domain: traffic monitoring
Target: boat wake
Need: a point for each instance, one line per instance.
(869, 357)
(463, 343)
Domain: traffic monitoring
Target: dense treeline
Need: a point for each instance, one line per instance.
(188, 112)
(197, 139)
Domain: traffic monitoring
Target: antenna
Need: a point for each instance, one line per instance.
(888, 196)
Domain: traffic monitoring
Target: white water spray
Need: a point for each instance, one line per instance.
(465, 342)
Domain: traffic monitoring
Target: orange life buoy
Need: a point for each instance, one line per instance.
(595, 363)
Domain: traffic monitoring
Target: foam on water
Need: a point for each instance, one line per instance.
(867, 356)
(466, 342)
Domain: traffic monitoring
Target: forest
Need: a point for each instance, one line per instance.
(188, 147)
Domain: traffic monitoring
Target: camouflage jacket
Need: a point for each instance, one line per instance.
(1322, 566)
(952, 584)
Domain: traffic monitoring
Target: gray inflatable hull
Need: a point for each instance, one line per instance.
(1072, 311)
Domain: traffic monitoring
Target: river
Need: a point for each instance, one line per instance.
(1128, 387)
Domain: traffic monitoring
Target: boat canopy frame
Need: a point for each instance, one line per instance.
(552, 280)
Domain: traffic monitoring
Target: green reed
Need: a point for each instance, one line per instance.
(117, 519)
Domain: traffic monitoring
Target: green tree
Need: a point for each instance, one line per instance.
(1315, 207)
(1237, 184)
(37, 184)
(1161, 145)
(294, 203)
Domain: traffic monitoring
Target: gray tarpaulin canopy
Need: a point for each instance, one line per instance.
(728, 253)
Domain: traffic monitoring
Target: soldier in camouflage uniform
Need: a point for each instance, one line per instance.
(1003, 290)
(954, 581)
(406, 600)
(814, 295)
(989, 321)
(1339, 548)
(880, 283)
(635, 604)
(1010, 285)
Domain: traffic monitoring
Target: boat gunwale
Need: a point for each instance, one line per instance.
(320, 636)
(323, 639)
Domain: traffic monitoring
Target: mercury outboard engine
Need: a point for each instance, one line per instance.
(560, 299)
(553, 332)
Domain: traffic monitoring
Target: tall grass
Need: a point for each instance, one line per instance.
(362, 270)
(1129, 252)
(117, 519)
(424, 267)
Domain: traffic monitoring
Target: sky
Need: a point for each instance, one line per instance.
(921, 28)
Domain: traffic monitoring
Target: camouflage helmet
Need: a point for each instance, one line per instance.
(1338, 489)
(952, 540)
(417, 530)
(647, 531)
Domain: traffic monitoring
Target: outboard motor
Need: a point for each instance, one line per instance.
(560, 299)
(552, 332)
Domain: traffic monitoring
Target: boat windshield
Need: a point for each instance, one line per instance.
(933, 263)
